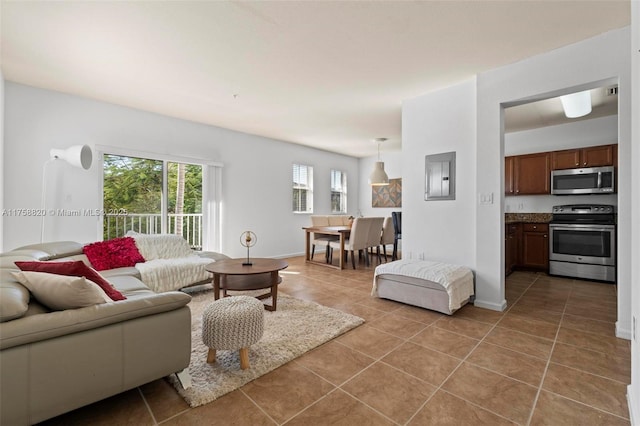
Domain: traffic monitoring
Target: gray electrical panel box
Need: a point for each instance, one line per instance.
(440, 177)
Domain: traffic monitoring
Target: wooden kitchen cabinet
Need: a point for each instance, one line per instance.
(594, 156)
(535, 246)
(532, 173)
(511, 247)
(509, 187)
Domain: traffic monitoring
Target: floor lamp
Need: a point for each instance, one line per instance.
(78, 156)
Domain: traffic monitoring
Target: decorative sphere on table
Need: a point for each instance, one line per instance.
(248, 239)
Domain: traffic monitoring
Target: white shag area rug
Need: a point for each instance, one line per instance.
(295, 328)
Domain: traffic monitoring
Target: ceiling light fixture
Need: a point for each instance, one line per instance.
(576, 104)
(378, 177)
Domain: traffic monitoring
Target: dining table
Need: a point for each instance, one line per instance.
(341, 231)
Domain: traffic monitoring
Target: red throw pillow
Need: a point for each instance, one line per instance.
(74, 268)
(111, 254)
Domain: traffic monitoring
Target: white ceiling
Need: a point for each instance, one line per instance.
(331, 75)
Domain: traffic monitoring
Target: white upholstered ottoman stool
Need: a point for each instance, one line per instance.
(437, 286)
(232, 323)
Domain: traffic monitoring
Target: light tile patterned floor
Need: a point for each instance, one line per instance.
(552, 358)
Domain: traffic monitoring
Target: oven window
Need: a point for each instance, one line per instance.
(582, 243)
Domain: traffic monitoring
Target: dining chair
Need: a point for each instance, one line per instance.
(397, 231)
(388, 236)
(321, 239)
(375, 234)
(357, 240)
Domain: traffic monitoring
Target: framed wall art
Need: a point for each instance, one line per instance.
(388, 195)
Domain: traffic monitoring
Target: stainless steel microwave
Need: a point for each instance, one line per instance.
(593, 180)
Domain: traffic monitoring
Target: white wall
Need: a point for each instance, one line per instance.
(438, 122)
(1, 159)
(583, 133)
(590, 63)
(598, 131)
(256, 178)
(634, 388)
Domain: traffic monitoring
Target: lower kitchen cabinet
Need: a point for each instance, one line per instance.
(512, 247)
(526, 247)
(535, 246)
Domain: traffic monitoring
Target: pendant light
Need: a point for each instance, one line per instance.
(378, 177)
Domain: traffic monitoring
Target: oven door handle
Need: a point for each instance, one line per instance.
(599, 180)
(581, 227)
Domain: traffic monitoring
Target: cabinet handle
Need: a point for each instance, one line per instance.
(535, 227)
(584, 164)
(577, 164)
(545, 235)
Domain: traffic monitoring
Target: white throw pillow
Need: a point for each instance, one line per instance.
(60, 292)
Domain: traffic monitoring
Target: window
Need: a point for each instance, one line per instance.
(152, 197)
(338, 192)
(302, 188)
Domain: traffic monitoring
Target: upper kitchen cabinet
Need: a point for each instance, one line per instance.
(509, 187)
(531, 174)
(594, 156)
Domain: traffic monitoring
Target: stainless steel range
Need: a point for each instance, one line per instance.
(582, 242)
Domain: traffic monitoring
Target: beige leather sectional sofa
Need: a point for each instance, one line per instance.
(52, 362)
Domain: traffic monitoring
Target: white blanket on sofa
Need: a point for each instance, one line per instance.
(170, 264)
(161, 246)
(173, 274)
(456, 280)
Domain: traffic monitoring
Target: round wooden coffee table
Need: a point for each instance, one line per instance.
(231, 274)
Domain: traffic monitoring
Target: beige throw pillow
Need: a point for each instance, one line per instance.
(14, 300)
(60, 292)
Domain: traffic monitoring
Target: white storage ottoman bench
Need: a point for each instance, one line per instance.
(432, 285)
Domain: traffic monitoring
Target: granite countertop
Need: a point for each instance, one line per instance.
(527, 217)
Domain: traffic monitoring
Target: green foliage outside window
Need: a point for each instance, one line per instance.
(134, 185)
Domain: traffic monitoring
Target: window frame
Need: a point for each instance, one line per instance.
(211, 190)
(341, 191)
(299, 186)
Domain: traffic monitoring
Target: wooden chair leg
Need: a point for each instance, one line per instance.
(384, 252)
(211, 356)
(353, 259)
(313, 249)
(244, 358)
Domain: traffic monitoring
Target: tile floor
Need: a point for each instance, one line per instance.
(551, 358)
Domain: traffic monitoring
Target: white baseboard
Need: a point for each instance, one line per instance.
(490, 305)
(622, 333)
(634, 408)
